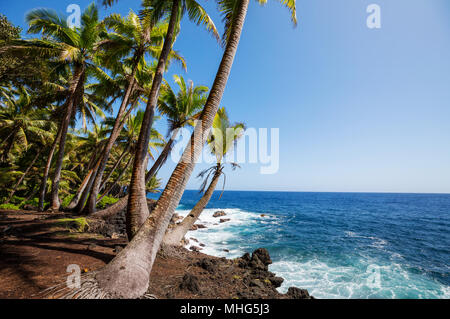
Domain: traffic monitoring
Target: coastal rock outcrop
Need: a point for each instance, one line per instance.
(197, 226)
(297, 293)
(219, 213)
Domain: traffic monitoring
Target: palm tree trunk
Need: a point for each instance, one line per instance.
(122, 203)
(76, 198)
(117, 180)
(113, 169)
(79, 208)
(43, 188)
(91, 168)
(174, 235)
(128, 274)
(137, 211)
(23, 176)
(74, 87)
(118, 125)
(160, 160)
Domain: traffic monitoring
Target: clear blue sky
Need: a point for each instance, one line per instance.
(358, 109)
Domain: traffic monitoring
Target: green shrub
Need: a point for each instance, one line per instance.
(77, 224)
(106, 202)
(9, 206)
(17, 200)
(32, 202)
(66, 201)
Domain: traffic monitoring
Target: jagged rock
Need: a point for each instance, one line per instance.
(256, 283)
(276, 281)
(208, 264)
(195, 248)
(219, 213)
(263, 255)
(117, 249)
(202, 245)
(244, 260)
(223, 220)
(191, 283)
(194, 239)
(297, 293)
(197, 226)
(226, 250)
(257, 264)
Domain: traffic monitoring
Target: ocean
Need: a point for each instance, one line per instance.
(336, 245)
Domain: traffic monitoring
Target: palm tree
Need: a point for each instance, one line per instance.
(131, 268)
(180, 109)
(224, 135)
(137, 201)
(21, 122)
(132, 36)
(88, 107)
(141, 87)
(90, 146)
(74, 46)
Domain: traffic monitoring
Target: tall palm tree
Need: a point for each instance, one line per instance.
(142, 85)
(131, 268)
(224, 136)
(180, 109)
(137, 201)
(87, 108)
(132, 36)
(74, 46)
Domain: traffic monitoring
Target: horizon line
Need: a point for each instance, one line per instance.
(336, 192)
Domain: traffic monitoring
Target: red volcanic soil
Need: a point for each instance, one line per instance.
(36, 249)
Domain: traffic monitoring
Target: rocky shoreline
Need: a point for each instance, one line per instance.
(246, 277)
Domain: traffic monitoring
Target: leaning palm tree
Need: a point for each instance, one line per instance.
(74, 46)
(90, 146)
(135, 37)
(137, 202)
(180, 109)
(224, 136)
(128, 274)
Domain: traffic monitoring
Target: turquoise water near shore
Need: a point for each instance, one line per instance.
(337, 245)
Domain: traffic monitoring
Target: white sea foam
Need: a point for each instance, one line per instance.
(217, 235)
(322, 278)
(376, 242)
(325, 281)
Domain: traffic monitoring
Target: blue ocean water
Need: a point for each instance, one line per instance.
(337, 245)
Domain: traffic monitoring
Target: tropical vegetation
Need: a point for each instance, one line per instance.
(77, 113)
